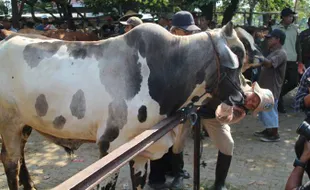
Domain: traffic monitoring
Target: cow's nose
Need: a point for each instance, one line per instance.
(237, 99)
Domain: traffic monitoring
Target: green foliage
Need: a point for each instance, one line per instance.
(274, 5)
(3, 8)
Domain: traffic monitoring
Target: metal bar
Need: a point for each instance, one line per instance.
(197, 132)
(95, 173)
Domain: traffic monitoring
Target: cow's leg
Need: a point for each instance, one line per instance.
(138, 171)
(24, 177)
(11, 154)
(104, 144)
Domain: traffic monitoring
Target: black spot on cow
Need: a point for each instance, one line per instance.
(59, 122)
(77, 50)
(110, 134)
(41, 105)
(81, 50)
(137, 178)
(34, 53)
(78, 104)
(118, 112)
(122, 78)
(112, 184)
(142, 114)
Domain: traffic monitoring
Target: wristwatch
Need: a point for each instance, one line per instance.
(299, 163)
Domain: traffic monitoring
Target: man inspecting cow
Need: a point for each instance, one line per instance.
(214, 119)
(272, 77)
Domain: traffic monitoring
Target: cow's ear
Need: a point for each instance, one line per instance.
(227, 57)
(228, 29)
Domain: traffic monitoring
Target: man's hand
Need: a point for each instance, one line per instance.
(226, 114)
(306, 153)
(307, 100)
(301, 68)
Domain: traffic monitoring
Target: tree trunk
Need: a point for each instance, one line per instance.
(250, 18)
(71, 24)
(207, 11)
(35, 19)
(15, 14)
(21, 8)
(230, 11)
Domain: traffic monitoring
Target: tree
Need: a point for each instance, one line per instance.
(3, 8)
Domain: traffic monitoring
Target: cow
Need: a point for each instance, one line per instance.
(108, 91)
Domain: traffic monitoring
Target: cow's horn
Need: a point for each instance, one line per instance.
(228, 29)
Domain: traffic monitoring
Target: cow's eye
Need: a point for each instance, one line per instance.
(238, 51)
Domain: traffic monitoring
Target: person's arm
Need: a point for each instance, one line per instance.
(298, 49)
(273, 61)
(295, 179)
(302, 98)
(266, 62)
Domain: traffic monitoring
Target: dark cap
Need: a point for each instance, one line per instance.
(277, 33)
(185, 21)
(287, 12)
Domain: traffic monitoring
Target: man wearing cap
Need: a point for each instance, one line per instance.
(131, 23)
(45, 25)
(272, 77)
(305, 45)
(293, 51)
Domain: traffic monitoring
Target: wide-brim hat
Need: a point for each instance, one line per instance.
(266, 99)
(129, 14)
(133, 21)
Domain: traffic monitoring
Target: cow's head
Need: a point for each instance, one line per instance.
(231, 56)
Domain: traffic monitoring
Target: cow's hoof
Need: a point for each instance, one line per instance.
(177, 183)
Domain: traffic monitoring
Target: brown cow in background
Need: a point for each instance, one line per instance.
(63, 34)
(57, 34)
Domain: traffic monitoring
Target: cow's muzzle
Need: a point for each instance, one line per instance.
(227, 91)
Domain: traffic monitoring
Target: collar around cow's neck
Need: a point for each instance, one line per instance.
(217, 60)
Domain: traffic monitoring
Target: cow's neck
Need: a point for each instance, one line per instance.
(177, 68)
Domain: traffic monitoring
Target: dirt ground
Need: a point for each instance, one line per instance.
(255, 165)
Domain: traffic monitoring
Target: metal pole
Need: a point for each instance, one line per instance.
(197, 153)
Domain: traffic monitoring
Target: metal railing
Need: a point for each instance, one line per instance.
(94, 174)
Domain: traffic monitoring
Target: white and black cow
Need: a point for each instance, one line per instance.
(107, 91)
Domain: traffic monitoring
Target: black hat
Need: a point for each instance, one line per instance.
(277, 33)
(287, 12)
(185, 21)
